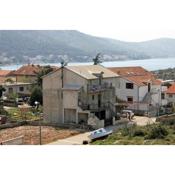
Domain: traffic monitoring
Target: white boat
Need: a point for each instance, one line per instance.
(99, 133)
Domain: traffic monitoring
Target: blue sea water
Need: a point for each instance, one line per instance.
(149, 64)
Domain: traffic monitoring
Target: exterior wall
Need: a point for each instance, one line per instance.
(56, 100)
(122, 93)
(139, 93)
(170, 99)
(53, 102)
(71, 78)
(52, 106)
(16, 89)
(26, 78)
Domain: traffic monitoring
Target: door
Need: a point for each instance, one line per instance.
(69, 115)
(149, 87)
(99, 100)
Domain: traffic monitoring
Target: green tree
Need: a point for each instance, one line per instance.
(36, 95)
(44, 71)
(97, 60)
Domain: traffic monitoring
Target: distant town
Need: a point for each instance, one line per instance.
(82, 104)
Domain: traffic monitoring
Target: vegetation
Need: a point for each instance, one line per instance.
(44, 71)
(15, 114)
(36, 95)
(97, 60)
(159, 134)
(166, 74)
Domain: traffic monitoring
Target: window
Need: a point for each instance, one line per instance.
(129, 86)
(170, 96)
(21, 89)
(10, 90)
(93, 97)
(162, 96)
(130, 99)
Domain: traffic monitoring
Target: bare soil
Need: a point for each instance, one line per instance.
(31, 134)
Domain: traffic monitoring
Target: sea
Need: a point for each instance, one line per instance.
(149, 64)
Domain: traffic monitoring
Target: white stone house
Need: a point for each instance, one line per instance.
(80, 94)
(138, 89)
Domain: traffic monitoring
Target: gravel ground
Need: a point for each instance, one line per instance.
(142, 120)
(31, 134)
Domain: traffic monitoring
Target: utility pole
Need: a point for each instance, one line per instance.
(40, 136)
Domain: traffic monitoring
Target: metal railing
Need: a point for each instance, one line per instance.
(102, 87)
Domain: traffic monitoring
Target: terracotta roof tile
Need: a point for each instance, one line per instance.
(171, 89)
(27, 70)
(137, 75)
(4, 73)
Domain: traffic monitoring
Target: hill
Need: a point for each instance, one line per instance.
(42, 46)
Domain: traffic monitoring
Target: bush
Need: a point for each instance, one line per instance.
(36, 95)
(157, 132)
(138, 132)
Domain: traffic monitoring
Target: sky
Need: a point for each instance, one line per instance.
(127, 20)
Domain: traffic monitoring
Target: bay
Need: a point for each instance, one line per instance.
(149, 64)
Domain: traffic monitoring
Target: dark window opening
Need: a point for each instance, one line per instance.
(129, 86)
(10, 90)
(130, 99)
(170, 95)
(162, 96)
(149, 87)
(93, 97)
(21, 89)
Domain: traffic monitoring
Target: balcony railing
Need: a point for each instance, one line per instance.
(98, 88)
(95, 107)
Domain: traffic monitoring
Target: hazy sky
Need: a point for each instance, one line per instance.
(129, 20)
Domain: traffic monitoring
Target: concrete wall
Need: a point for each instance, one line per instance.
(16, 89)
(56, 99)
(169, 98)
(26, 78)
(53, 95)
(95, 122)
(122, 93)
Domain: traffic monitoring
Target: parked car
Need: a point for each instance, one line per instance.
(126, 114)
(99, 133)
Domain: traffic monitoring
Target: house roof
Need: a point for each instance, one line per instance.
(29, 69)
(137, 75)
(171, 89)
(130, 71)
(4, 73)
(89, 71)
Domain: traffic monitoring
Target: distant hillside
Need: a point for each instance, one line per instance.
(38, 46)
(166, 74)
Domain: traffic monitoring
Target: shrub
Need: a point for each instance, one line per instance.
(157, 132)
(138, 132)
(36, 95)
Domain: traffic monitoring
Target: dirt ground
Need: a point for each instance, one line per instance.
(31, 134)
(142, 120)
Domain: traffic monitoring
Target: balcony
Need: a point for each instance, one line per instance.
(95, 107)
(99, 88)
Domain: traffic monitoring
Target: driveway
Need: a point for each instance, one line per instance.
(74, 140)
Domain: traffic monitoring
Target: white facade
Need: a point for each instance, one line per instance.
(138, 97)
